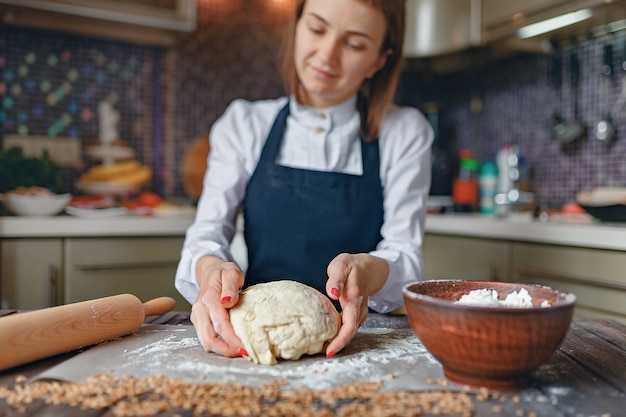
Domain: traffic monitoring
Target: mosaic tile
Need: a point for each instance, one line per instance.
(517, 106)
(50, 84)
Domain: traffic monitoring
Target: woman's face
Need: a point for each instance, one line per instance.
(337, 46)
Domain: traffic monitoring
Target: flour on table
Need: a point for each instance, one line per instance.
(168, 344)
(394, 357)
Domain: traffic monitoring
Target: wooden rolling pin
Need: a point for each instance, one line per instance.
(26, 337)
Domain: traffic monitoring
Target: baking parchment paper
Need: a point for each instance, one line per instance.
(394, 357)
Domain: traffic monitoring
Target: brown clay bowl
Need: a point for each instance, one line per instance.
(491, 347)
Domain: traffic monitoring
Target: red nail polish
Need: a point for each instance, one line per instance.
(243, 352)
(334, 291)
(226, 299)
(331, 354)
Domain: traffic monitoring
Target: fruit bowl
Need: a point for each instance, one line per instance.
(607, 204)
(494, 347)
(36, 204)
(613, 213)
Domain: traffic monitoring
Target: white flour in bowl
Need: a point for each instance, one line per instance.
(490, 298)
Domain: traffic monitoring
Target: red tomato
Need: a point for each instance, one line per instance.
(89, 202)
(132, 205)
(148, 199)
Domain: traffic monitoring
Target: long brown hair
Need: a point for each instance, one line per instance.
(377, 92)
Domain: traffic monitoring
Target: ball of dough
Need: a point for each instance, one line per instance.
(283, 319)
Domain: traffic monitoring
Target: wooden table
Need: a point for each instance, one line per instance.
(586, 376)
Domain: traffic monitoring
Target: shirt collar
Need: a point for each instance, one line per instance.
(337, 115)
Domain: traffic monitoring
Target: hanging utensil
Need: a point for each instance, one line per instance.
(605, 130)
(621, 100)
(574, 130)
(555, 79)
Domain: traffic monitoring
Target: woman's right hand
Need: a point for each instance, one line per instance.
(219, 282)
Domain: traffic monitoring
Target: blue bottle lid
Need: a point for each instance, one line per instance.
(489, 168)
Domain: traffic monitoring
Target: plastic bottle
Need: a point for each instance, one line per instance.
(507, 197)
(488, 183)
(465, 189)
(526, 195)
(525, 176)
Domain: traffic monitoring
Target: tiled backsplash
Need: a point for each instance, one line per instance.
(51, 83)
(517, 107)
(232, 54)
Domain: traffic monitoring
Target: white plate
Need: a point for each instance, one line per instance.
(173, 210)
(89, 212)
(106, 188)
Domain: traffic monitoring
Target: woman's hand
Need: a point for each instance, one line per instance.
(351, 280)
(219, 283)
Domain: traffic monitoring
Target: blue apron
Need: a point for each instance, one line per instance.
(298, 220)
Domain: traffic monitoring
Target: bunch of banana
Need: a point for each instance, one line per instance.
(130, 173)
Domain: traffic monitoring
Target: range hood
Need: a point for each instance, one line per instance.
(444, 27)
(436, 27)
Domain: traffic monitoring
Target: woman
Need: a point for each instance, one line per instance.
(333, 180)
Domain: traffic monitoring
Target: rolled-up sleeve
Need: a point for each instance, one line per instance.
(405, 146)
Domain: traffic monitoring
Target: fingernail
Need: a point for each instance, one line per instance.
(226, 299)
(331, 354)
(243, 352)
(334, 291)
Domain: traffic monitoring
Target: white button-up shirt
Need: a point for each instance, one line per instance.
(316, 139)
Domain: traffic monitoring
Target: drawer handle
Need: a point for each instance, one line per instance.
(52, 286)
(544, 273)
(124, 265)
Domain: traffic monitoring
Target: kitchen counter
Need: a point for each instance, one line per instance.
(74, 226)
(585, 377)
(577, 231)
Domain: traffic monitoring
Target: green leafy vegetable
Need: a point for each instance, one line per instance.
(17, 170)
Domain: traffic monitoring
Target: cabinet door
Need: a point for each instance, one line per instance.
(142, 21)
(31, 273)
(496, 12)
(595, 276)
(143, 266)
(456, 257)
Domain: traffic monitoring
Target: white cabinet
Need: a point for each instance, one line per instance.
(457, 257)
(501, 19)
(596, 276)
(143, 21)
(496, 12)
(31, 273)
(42, 272)
(143, 266)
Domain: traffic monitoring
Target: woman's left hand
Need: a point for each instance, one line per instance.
(352, 278)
